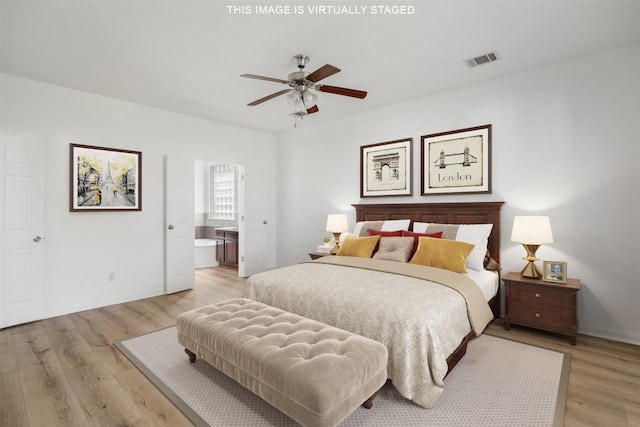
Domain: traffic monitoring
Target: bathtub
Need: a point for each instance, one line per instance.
(205, 253)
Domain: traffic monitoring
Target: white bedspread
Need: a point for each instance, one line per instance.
(420, 322)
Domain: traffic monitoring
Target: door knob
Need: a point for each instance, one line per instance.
(170, 227)
(37, 239)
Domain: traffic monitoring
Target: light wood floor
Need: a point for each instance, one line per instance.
(66, 371)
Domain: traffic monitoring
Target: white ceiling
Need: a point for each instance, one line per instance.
(187, 56)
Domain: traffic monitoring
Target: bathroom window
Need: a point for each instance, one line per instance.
(223, 200)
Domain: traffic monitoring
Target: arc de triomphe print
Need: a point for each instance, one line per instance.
(385, 168)
(392, 161)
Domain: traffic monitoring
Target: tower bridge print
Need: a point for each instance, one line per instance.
(457, 161)
(445, 160)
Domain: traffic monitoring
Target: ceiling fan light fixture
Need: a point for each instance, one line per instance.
(309, 98)
(294, 99)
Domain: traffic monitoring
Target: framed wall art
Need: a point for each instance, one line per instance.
(457, 161)
(385, 168)
(105, 179)
(554, 271)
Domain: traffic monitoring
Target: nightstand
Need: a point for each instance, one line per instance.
(316, 255)
(542, 305)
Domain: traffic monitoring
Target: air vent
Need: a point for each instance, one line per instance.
(482, 59)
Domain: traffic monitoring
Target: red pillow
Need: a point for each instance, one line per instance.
(406, 233)
(397, 233)
(415, 236)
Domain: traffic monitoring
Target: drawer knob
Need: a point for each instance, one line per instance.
(537, 295)
(537, 314)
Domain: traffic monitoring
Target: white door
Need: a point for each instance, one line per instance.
(253, 230)
(22, 231)
(179, 224)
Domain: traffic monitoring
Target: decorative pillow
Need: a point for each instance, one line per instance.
(416, 236)
(475, 234)
(358, 246)
(396, 233)
(442, 253)
(449, 231)
(436, 235)
(492, 264)
(394, 248)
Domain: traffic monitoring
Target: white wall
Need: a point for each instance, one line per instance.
(82, 247)
(201, 187)
(565, 144)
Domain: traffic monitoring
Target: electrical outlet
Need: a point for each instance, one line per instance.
(111, 277)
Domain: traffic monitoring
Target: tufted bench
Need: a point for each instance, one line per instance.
(315, 373)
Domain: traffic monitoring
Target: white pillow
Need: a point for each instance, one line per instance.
(396, 224)
(420, 227)
(476, 234)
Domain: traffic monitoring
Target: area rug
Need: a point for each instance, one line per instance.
(497, 383)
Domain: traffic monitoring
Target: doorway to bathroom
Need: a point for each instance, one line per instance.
(180, 224)
(218, 194)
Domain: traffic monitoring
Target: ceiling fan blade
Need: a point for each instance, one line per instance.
(268, 97)
(270, 79)
(322, 73)
(313, 109)
(342, 91)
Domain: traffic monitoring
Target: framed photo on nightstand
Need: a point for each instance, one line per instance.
(554, 271)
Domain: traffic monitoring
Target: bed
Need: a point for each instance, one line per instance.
(426, 326)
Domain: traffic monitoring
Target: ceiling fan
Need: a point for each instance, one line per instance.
(301, 84)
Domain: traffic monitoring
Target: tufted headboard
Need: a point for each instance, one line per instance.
(442, 213)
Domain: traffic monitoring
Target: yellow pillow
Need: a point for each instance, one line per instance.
(358, 246)
(442, 253)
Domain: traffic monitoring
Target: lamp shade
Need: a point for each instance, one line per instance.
(534, 230)
(337, 223)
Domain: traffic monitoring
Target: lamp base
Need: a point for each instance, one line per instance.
(530, 270)
(336, 243)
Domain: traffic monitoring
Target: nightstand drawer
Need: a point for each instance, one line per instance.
(542, 317)
(539, 296)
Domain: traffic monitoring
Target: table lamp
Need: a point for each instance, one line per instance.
(336, 224)
(531, 232)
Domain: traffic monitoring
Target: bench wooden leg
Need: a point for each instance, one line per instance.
(192, 355)
(369, 402)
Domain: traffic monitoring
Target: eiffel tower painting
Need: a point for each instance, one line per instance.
(105, 179)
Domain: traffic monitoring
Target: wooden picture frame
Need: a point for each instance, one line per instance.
(457, 161)
(105, 179)
(385, 168)
(554, 271)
